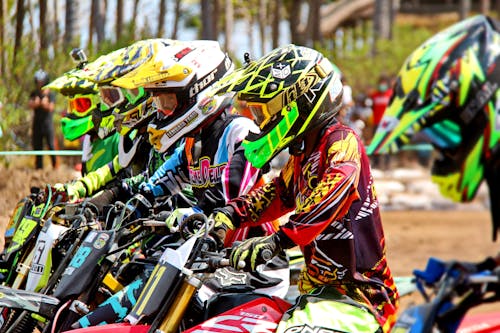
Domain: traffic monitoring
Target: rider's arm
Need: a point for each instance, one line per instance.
(168, 179)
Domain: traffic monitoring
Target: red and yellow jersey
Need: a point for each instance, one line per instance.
(336, 221)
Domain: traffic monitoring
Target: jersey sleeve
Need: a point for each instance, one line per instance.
(169, 178)
(334, 193)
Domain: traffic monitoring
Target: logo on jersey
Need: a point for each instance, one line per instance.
(206, 175)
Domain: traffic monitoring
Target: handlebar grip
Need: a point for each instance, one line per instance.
(266, 254)
(218, 263)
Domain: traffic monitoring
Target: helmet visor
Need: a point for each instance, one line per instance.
(111, 96)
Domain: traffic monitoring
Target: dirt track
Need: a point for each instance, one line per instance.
(412, 236)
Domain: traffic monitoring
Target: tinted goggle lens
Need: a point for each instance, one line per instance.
(80, 106)
(111, 96)
(134, 95)
(259, 113)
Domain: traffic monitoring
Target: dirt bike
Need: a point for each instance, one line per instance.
(86, 257)
(450, 290)
(175, 297)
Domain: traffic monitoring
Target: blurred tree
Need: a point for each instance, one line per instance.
(294, 13)
(119, 19)
(97, 23)
(275, 22)
(262, 23)
(56, 32)
(228, 26)
(69, 22)
(464, 8)
(133, 22)
(484, 6)
(2, 39)
(313, 33)
(20, 12)
(177, 15)
(160, 32)
(208, 20)
(44, 44)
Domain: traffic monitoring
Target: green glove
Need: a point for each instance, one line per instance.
(255, 251)
(76, 190)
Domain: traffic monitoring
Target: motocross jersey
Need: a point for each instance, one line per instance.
(336, 221)
(214, 165)
(144, 162)
(98, 152)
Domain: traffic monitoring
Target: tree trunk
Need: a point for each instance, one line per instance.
(215, 18)
(55, 37)
(464, 9)
(485, 6)
(20, 12)
(275, 24)
(70, 22)
(228, 27)
(262, 23)
(32, 29)
(161, 18)
(100, 21)
(119, 19)
(313, 23)
(133, 22)
(207, 17)
(2, 39)
(249, 18)
(177, 14)
(44, 45)
(295, 11)
(382, 23)
(92, 18)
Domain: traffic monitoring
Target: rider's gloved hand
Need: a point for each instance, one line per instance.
(259, 250)
(178, 215)
(223, 222)
(74, 190)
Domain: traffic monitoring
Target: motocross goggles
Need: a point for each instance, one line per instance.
(261, 113)
(82, 105)
(111, 96)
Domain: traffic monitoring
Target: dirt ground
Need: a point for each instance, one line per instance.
(411, 236)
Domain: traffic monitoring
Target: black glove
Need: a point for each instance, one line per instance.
(223, 222)
(259, 250)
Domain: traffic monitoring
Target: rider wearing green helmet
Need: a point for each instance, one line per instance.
(448, 89)
(294, 94)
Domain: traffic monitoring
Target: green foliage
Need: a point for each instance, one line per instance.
(362, 68)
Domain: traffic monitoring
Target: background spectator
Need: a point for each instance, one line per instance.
(42, 102)
(379, 100)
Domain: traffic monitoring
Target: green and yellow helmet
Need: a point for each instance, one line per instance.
(119, 104)
(82, 101)
(448, 89)
(289, 91)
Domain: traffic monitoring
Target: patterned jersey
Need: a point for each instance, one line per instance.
(336, 221)
(215, 167)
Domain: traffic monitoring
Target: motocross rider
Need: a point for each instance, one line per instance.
(294, 94)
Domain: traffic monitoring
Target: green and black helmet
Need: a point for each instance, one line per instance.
(290, 91)
(448, 89)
